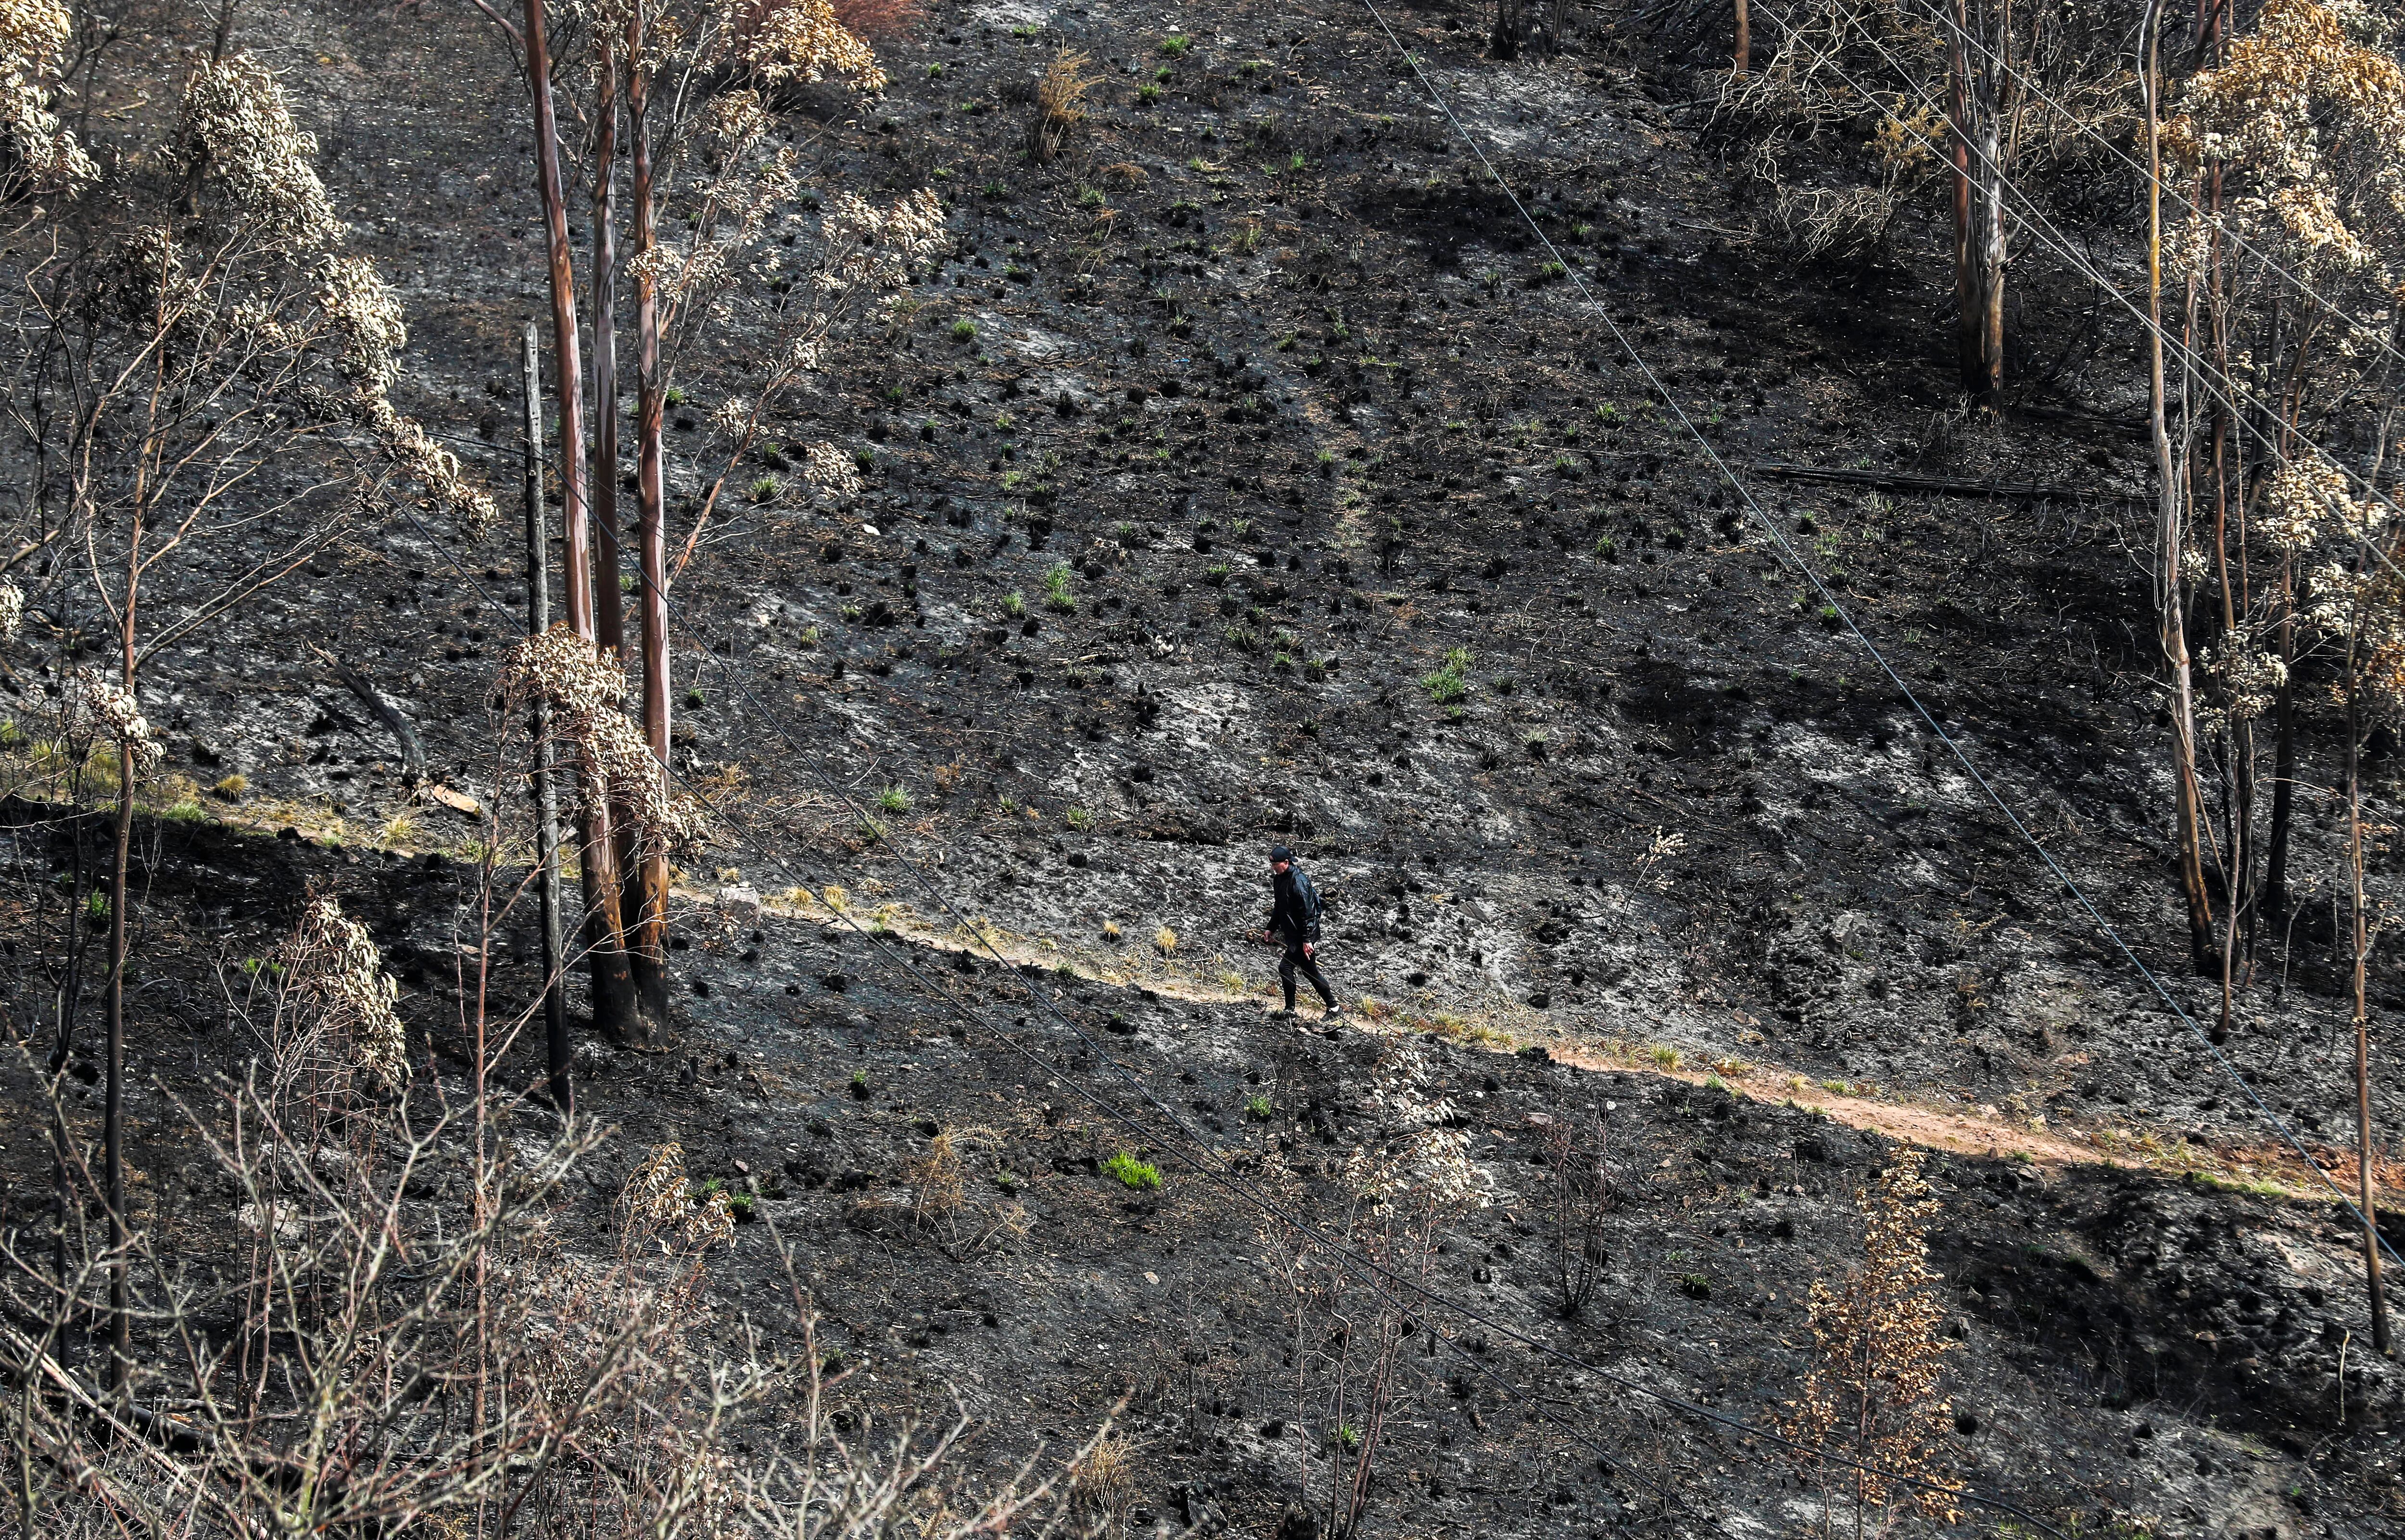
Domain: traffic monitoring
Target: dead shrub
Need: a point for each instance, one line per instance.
(353, 1358)
(1872, 1391)
(1573, 1149)
(1833, 221)
(939, 1184)
(1102, 1487)
(1060, 105)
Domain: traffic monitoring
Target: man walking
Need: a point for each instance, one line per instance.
(1294, 924)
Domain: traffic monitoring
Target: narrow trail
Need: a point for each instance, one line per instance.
(2270, 1169)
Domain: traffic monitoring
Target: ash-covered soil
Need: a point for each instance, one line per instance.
(2127, 1349)
(1266, 363)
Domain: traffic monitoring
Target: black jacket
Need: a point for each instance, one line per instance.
(1294, 906)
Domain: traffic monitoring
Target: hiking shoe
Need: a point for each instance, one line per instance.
(1333, 1011)
(1287, 1013)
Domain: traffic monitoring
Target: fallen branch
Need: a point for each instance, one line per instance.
(413, 750)
(1944, 486)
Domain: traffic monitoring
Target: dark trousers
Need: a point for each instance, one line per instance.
(1294, 959)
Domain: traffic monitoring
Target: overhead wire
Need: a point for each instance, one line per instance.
(1211, 1168)
(1829, 599)
(1213, 1165)
(2087, 128)
(1206, 1160)
(2228, 392)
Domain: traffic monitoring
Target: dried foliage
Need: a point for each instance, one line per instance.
(1872, 1393)
(939, 1184)
(235, 124)
(586, 693)
(335, 978)
(2312, 116)
(1059, 103)
(371, 1319)
(95, 709)
(1103, 1488)
(802, 42)
(41, 155)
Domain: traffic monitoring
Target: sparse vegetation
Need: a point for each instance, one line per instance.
(1138, 503)
(1058, 594)
(1449, 684)
(1132, 1174)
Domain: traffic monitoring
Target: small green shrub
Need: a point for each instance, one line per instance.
(893, 798)
(1013, 604)
(1056, 588)
(965, 331)
(1135, 1175)
(1450, 683)
(1258, 1108)
(762, 491)
(1176, 45)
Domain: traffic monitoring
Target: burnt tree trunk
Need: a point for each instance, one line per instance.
(651, 886)
(2171, 584)
(2360, 939)
(614, 992)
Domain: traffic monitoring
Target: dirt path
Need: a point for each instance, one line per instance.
(2267, 1170)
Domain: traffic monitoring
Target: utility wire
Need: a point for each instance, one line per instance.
(1207, 1161)
(2035, 220)
(1970, 39)
(1210, 1163)
(1210, 1167)
(2078, 895)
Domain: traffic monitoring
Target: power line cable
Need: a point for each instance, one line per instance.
(1829, 599)
(1213, 1166)
(1210, 1167)
(2087, 128)
(2034, 218)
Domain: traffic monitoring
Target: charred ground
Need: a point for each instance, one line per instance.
(1267, 373)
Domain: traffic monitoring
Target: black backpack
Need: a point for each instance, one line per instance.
(1307, 892)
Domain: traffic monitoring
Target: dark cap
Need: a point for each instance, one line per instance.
(1279, 853)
